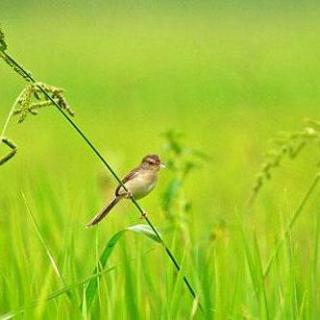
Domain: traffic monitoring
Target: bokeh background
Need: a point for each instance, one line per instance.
(228, 75)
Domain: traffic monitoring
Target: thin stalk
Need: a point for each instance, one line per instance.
(291, 223)
(6, 123)
(27, 76)
(6, 141)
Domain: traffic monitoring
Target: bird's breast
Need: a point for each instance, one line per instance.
(142, 184)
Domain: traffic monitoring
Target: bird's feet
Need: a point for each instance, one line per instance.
(129, 194)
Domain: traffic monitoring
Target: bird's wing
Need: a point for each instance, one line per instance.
(128, 177)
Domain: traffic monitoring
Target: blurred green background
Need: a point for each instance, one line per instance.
(229, 75)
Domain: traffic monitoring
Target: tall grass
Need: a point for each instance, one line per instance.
(229, 81)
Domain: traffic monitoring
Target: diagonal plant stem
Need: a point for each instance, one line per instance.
(28, 77)
(12, 153)
(291, 223)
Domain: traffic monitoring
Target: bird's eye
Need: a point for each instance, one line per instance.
(151, 161)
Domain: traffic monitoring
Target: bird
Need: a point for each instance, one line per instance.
(138, 183)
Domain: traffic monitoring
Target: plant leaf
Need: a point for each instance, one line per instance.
(144, 229)
(91, 290)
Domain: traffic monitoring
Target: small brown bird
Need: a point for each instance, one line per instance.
(139, 183)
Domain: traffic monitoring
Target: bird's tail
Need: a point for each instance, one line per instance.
(104, 211)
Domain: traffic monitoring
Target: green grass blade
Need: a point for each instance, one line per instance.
(54, 295)
(131, 285)
(93, 284)
(264, 310)
(43, 242)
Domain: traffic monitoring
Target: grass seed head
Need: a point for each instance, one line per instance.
(285, 145)
(32, 99)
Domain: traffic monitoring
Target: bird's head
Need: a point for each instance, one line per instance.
(152, 162)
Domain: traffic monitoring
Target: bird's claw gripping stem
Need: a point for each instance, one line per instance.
(129, 195)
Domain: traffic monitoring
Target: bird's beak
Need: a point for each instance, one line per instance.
(162, 165)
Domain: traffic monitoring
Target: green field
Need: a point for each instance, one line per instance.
(229, 77)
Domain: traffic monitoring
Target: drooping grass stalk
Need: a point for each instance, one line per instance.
(291, 224)
(28, 77)
(287, 145)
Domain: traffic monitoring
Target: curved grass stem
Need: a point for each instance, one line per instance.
(6, 141)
